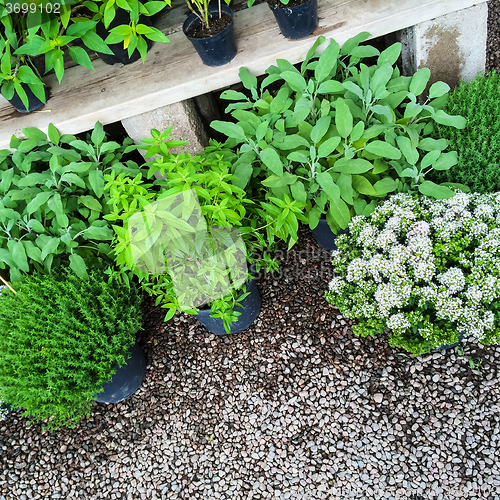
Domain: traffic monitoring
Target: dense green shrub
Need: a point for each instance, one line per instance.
(52, 200)
(60, 338)
(478, 145)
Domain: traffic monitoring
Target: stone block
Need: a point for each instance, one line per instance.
(183, 116)
(452, 46)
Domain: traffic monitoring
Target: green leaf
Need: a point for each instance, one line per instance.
(50, 245)
(327, 62)
(36, 226)
(327, 147)
(295, 80)
(446, 161)
(419, 81)
(34, 134)
(228, 128)
(291, 142)
(249, 81)
(354, 42)
(53, 134)
(97, 134)
(154, 34)
(233, 95)
(451, 121)
(354, 89)
(320, 129)
(19, 255)
(272, 161)
(243, 171)
(301, 111)
(338, 208)
(57, 61)
(56, 205)
(90, 202)
(343, 118)
(357, 131)
(77, 264)
(102, 233)
(411, 154)
(352, 166)
(33, 180)
(331, 87)
(428, 188)
(39, 200)
(384, 186)
(71, 178)
(429, 144)
(94, 42)
(344, 182)
(274, 181)
(384, 149)
(80, 56)
(438, 89)
(362, 185)
(298, 191)
(362, 51)
(429, 159)
(96, 180)
(390, 55)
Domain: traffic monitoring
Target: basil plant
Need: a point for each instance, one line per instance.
(338, 135)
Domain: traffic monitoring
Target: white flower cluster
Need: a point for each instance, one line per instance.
(411, 254)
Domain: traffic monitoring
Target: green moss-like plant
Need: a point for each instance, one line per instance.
(60, 339)
(478, 144)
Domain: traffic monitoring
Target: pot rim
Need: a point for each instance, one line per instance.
(193, 18)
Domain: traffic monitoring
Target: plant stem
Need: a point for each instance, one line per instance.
(8, 286)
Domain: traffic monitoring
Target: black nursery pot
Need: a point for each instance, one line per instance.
(299, 21)
(33, 102)
(120, 54)
(249, 312)
(325, 237)
(215, 50)
(127, 379)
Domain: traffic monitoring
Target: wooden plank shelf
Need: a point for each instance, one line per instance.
(174, 72)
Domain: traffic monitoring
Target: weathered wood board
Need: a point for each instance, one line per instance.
(174, 72)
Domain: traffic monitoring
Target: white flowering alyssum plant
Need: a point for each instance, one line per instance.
(424, 269)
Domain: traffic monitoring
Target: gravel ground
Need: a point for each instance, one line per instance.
(493, 41)
(293, 408)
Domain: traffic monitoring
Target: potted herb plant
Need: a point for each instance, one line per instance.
(127, 29)
(423, 269)
(296, 18)
(52, 201)
(210, 28)
(338, 135)
(60, 339)
(20, 81)
(189, 236)
(51, 31)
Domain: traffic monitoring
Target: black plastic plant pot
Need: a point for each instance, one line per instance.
(325, 237)
(249, 313)
(127, 379)
(120, 54)
(297, 22)
(446, 347)
(33, 102)
(215, 50)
